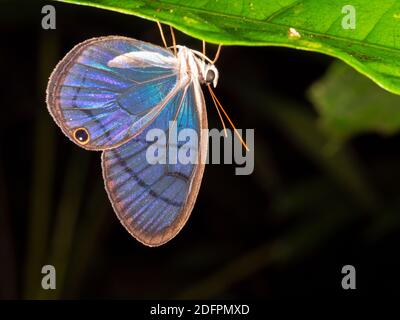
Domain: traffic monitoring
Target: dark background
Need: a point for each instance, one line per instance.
(287, 229)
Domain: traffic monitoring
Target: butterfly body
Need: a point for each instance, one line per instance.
(106, 94)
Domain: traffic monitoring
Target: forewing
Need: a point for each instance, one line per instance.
(153, 202)
(112, 87)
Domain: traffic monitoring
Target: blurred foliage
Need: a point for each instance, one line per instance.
(351, 104)
(370, 47)
(309, 208)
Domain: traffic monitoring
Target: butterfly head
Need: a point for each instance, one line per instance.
(209, 74)
(199, 65)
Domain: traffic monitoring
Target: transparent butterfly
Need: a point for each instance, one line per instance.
(106, 94)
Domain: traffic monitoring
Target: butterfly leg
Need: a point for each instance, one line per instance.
(162, 35)
(204, 50)
(217, 54)
(173, 39)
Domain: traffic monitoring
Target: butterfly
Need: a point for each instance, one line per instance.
(106, 94)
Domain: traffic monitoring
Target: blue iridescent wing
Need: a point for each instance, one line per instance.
(106, 90)
(154, 201)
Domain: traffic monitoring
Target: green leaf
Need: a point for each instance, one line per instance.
(350, 104)
(373, 47)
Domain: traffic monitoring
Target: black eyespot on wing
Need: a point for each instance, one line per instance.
(210, 76)
(81, 135)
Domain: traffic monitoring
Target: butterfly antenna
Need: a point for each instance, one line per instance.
(230, 121)
(217, 54)
(173, 39)
(162, 34)
(204, 50)
(219, 113)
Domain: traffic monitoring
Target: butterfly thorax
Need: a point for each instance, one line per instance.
(193, 64)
